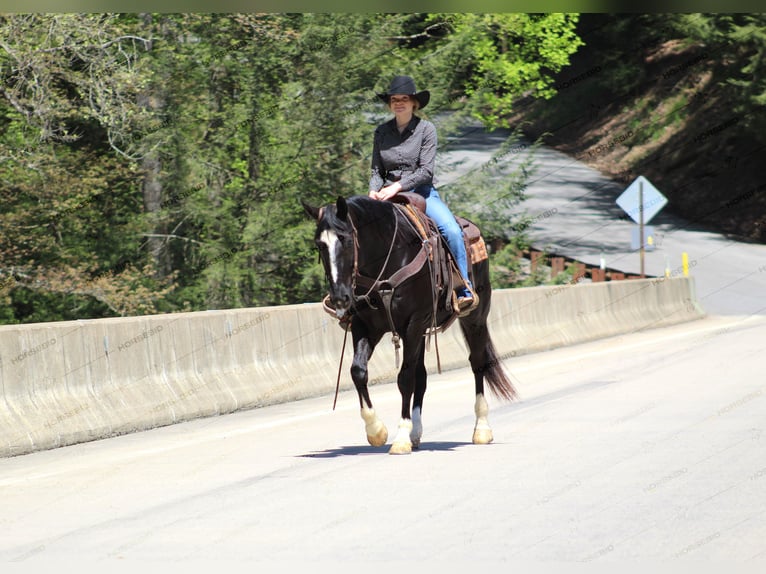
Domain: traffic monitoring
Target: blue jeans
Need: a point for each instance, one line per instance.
(437, 210)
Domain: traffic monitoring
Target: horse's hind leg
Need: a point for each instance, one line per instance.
(477, 337)
(377, 434)
(482, 433)
(417, 401)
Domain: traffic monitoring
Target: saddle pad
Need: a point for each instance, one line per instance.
(475, 246)
(474, 242)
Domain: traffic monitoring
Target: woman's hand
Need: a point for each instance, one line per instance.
(389, 191)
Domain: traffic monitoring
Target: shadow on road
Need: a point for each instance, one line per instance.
(366, 449)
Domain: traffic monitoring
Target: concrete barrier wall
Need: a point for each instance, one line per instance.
(70, 382)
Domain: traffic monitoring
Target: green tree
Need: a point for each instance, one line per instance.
(155, 162)
(739, 44)
(69, 217)
(497, 58)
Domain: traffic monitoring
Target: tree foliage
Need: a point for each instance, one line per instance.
(738, 42)
(155, 162)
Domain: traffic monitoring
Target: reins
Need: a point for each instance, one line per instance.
(340, 367)
(386, 295)
(365, 297)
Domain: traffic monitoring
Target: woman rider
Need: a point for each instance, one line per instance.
(403, 156)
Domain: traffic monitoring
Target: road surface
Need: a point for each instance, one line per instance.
(574, 213)
(648, 446)
(645, 446)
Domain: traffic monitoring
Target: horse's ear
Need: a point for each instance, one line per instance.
(341, 208)
(312, 211)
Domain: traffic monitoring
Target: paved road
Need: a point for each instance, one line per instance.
(730, 275)
(647, 446)
(574, 213)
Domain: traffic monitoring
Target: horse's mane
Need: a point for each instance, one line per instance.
(366, 209)
(383, 214)
(365, 212)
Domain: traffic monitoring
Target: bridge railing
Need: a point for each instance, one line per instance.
(70, 382)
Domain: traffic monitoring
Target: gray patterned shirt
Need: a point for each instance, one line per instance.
(407, 157)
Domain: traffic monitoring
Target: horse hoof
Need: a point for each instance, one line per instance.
(379, 438)
(417, 428)
(376, 432)
(402, 441)
(401, 448)
(482, 436)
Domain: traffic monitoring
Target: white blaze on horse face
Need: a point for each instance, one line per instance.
(330, 239)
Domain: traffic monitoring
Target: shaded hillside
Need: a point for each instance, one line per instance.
(652, 104)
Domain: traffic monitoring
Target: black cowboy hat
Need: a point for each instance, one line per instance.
(406, 85)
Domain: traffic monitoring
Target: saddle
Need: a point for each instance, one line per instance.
(445, 275)
(475, 247)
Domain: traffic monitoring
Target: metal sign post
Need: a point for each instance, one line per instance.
(641, 201)
(641, 225)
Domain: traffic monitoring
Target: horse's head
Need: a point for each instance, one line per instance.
(335, 240)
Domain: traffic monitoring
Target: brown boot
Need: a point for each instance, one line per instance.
(467, 302)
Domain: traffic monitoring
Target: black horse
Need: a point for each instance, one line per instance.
(362, 238)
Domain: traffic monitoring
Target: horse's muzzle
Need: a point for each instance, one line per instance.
(341, 302)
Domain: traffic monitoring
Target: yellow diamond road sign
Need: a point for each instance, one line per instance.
(653, 202)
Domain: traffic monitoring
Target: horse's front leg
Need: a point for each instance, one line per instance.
(412, 356)
(377, 434)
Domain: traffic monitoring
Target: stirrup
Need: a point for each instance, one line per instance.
(464, 307)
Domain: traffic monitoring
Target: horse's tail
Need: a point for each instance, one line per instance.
(499, 383)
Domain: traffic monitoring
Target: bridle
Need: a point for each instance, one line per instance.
(366, 297)
(356, 275)
(384, 288)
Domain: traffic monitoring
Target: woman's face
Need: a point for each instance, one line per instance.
(401, 104)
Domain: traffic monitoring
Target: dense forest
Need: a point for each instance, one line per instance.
(155, 163)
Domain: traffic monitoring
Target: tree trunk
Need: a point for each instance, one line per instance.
(151, 186)
(254, 151)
